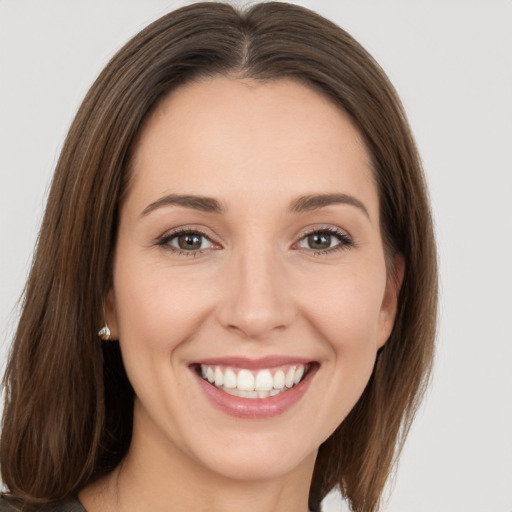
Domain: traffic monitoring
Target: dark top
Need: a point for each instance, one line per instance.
(72, 505)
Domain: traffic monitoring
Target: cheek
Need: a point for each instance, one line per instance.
(156, 308)
(345, 307)
(344, 313)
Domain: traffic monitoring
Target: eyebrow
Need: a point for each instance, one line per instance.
(201, 203)
(211, 205)
(317, 201)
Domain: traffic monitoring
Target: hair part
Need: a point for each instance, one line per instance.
(65, 394)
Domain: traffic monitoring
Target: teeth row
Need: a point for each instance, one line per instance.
(245, 380)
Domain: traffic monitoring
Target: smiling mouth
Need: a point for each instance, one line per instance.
(247, 383)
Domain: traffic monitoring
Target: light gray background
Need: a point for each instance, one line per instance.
(451, 62)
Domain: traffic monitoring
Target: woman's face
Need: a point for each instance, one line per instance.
(249, 254)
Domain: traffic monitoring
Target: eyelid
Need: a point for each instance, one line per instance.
(207, 232)
(315, 228)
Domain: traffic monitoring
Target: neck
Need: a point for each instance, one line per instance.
(159, 476)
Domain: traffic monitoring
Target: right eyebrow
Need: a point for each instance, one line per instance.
(201, 203)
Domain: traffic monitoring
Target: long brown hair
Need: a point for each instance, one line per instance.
(68, 403)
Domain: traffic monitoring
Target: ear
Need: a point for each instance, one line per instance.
(111, 315)
(389, 305)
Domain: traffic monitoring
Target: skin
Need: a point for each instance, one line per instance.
(256, 289)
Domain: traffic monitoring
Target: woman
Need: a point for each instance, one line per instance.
(239, 213)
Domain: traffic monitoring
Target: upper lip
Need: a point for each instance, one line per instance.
(252, 364)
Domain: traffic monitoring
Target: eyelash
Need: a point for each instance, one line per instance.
(345, 241)
(165, 241)
(343, 237)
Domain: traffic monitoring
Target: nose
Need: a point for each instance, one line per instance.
(256, 301)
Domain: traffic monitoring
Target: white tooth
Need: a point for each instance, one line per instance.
(203, 371)
(299, 372)
(245, 380)
(219, 377)
(230, 379)
(264, 381)
(289, 377)
(279, 379)
(210, 375)
(247, 394)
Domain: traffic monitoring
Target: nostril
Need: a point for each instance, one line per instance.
(254, 329)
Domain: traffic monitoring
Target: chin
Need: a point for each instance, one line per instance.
(257, 462)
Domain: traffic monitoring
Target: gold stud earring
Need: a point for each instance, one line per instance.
(104, 333)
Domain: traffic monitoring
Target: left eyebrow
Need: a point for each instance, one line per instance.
(317, 201)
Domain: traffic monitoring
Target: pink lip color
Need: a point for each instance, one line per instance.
(256, 408)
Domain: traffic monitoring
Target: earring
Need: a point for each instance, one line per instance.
(104, 333)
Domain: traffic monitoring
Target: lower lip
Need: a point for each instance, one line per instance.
(256, 408)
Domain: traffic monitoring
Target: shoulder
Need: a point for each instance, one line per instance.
(72, 505)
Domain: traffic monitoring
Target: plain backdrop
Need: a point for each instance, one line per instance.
(451, 62)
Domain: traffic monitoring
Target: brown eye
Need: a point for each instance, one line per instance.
(325, 240)
(186, 242)
(319, 241)
(189, 242)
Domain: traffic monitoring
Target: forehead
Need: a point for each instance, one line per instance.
(222, 134)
